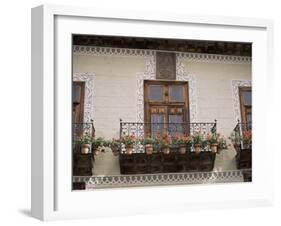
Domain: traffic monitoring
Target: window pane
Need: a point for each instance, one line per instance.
(175, 125)
(156, 93)
(175, 118)
(247, 97)
(157, 124)
(249, 118)
(76, 94)
(176, 93)
(249, 115)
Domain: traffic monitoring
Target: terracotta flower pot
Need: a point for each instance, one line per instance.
(166, 150)
(182, 149)
(85, 148)
(214, 148)
(247, 145)
(115, 151)
(236, 146)
(198, 148)
(97, 151)
(129, 149)
(149, 149)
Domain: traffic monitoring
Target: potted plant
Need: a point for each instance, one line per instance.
(235, 139)
(198, 141)
(148, 143)
(98, 145)
(129, 142)
(222, 145)
(164, 143)
(213, 141)
(182, 142)
(85, 143)
(115, 146)
(247, 138)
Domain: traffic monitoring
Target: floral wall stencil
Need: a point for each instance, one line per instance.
(235, 96)
(89, 93)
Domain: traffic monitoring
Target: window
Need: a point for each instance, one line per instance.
(156, 93)
(176, 93)
(78, 92)
(245, 94)
(166, 107)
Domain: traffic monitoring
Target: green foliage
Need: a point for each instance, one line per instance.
(180, 140)
(84, 139)
(213, 138)
(198, 138)
(128, 140)
(222, 143)
(98, 142)
(148, 140)
(114, 143)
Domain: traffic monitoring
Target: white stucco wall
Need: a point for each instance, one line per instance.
(214, 90)
(114, 89)
(115, 84)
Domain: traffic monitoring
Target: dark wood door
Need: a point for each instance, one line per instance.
(166, 107)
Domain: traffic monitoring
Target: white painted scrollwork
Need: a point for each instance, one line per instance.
(109, 51)
(235, 96)
(215, 58)
(148, 74)
(89, 93)
(191, 57)
(181, 75)
(94, 182)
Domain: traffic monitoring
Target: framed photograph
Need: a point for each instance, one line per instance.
(136, 113)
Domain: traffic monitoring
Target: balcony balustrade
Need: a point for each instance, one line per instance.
(79, 130)
(243, 135)
(141, 130)
(242, 142)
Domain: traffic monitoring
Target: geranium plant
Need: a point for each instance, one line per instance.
(235, 138)
(247, 138)
(148, 142)
(198, 141)
(99, 144)
(114, 143)
(222, 143)
(213, 138)
(115, 146)
(84, 141)
(164, 142)
(198, 138)
(182, 140)
(129, 142)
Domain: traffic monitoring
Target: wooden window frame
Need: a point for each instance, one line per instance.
(242, 104)
(82, 100)
(166, 102)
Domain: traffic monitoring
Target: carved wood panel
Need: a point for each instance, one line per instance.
(165, 66)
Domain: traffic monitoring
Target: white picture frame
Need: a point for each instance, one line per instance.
(52, 197)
